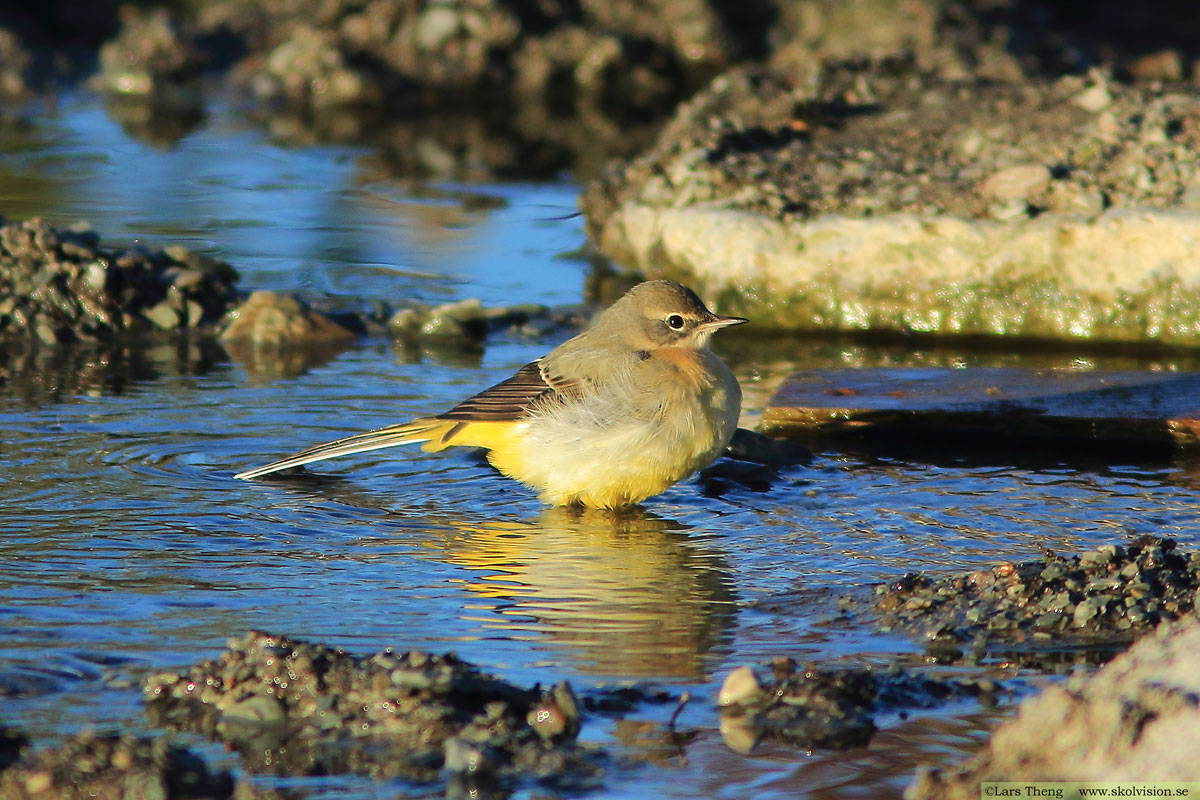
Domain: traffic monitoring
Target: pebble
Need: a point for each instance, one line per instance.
(1017, 183)
(740, 686)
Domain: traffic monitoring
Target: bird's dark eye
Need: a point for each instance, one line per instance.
(675, 321)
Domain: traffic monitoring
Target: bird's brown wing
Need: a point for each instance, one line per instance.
(511, 399)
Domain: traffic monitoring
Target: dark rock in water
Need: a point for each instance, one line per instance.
(1101, 600)
(149, 55)
(809, 706)
(113, 768)
(986, 410)
(295, 708)
(62, 285)
(753, 462)
(12, 742)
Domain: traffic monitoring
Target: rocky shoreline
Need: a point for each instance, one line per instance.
(294, 708)
(63, 286)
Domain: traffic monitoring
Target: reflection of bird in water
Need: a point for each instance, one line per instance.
(608, 418)
(628, 593)
(619, 593)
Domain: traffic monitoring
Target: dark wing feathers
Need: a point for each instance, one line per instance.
(512, 398)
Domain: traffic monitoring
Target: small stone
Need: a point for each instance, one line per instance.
(1165, 65)
(436, 25)
(740, 687)
(465, 320)
(163, 315)
(1094, 98)
(38, 782)
(45, 331)
(96, 277)
(406, 322)
(195, 313)
(268, 318)
(466, 758)
(256, 710)
(1017, 183)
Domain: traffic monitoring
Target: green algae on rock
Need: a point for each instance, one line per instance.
(1125, 276)
(929, 207)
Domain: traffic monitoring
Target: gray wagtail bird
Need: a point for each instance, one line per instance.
(606, 419)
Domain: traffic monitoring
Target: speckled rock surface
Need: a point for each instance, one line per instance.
(295, 708)
(64, 285)
(886, 199)
(113, 768)
(1101, 600)
(1134, 720)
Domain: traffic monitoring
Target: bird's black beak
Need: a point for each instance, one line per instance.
(718, 322)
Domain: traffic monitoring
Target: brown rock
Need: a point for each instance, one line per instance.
(268, 318)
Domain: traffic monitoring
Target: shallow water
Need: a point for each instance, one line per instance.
(125, 545)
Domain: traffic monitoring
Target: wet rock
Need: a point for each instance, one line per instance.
(918, 205)
(1102, 600)
(993, 410)
(1134, 720)
(470, 322)
(461, 320)
(754, 447)
(62, 285)
(739, 688)
(113, 768)
(753, 461)
(810, 706)
(303, 709)
(274, 320)
(310, 69)
(12, 743)
(148, 56)
(15, 62)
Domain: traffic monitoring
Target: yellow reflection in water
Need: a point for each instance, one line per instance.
(624, 593)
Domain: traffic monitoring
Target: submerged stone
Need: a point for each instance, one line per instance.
(809, 706)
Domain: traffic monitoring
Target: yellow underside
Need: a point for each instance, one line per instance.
(503, 442)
